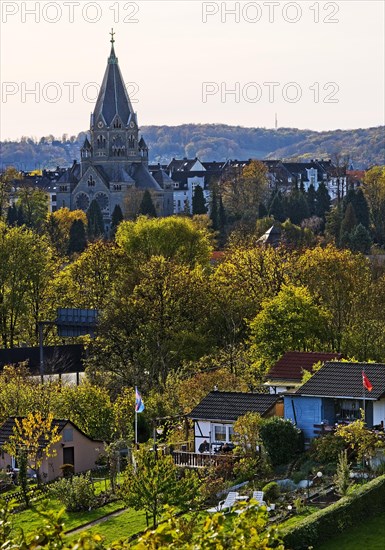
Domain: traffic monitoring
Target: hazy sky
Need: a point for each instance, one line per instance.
(318, 65)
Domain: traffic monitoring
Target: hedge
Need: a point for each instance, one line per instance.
(367, 501)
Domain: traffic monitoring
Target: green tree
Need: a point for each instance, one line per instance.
(88, 282)
(311, 197)
(360, 239)
(281, 439)
(89, 407)
(148, 329)
(147, 207)
(12, 215)
(174, 238)
(198, 201)
(348, 224)
(9, 177)
(323, 201)
(289, 321)
(276, 206)
(25, 270)
(95, 221)
(296, 207)
(342, 479)
(153, 482)
(214, 209)
(77, 240)
(116, 218)
(34, 204)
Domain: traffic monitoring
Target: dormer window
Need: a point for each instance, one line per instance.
(101, 142)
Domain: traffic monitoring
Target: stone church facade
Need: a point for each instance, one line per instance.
(114, 162)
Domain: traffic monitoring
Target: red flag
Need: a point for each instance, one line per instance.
(366, 382)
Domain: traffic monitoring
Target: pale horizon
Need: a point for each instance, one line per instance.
(327, 75)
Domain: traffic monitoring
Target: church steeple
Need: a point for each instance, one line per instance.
(113, 101)
(112, 58)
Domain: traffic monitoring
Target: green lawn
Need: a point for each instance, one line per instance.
(369, 535)
(127, 524)
(29, 520)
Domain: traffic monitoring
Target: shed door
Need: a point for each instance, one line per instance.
(69, 456)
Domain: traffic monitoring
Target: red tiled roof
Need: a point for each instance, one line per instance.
(217, 255)
(291, 365)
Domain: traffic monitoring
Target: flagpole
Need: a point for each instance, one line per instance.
(363, 393)
(136, 428)
(136, 419)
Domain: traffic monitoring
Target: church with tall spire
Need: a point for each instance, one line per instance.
(113, 168)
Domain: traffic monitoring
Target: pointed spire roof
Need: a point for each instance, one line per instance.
(86, 144)
(113, 97)
(142, 144)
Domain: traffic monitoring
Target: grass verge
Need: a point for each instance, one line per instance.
(370, 535)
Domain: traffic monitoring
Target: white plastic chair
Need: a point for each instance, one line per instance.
(225, 505)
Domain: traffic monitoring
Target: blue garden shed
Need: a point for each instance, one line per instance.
(336, 394)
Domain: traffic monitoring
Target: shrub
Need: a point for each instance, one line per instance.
(368, 500)
(67, 470)
(76, 494)
(271, 491)
(299, 476)
(327, 448)
(282, 440)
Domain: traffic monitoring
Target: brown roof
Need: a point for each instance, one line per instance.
(293, 363)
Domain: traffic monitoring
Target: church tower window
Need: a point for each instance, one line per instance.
(91, 182)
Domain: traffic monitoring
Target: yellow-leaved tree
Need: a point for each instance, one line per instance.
(34, 436)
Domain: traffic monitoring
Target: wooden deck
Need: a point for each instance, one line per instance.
(187, 459)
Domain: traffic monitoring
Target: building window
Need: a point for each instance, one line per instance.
(91, 182)
(220, 433)
(53, 198)
(63, 189)
(68, 434)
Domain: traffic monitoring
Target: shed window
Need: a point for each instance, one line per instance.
(220, 433)
(68, 434)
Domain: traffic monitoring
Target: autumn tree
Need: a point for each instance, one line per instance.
(36, 436)
(240, 283)
(334, 278)
(243, 192)
(58, 227)
(374, 191)
(289, 321)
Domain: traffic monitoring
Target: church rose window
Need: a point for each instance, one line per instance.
(102, 200)
(82, 201)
